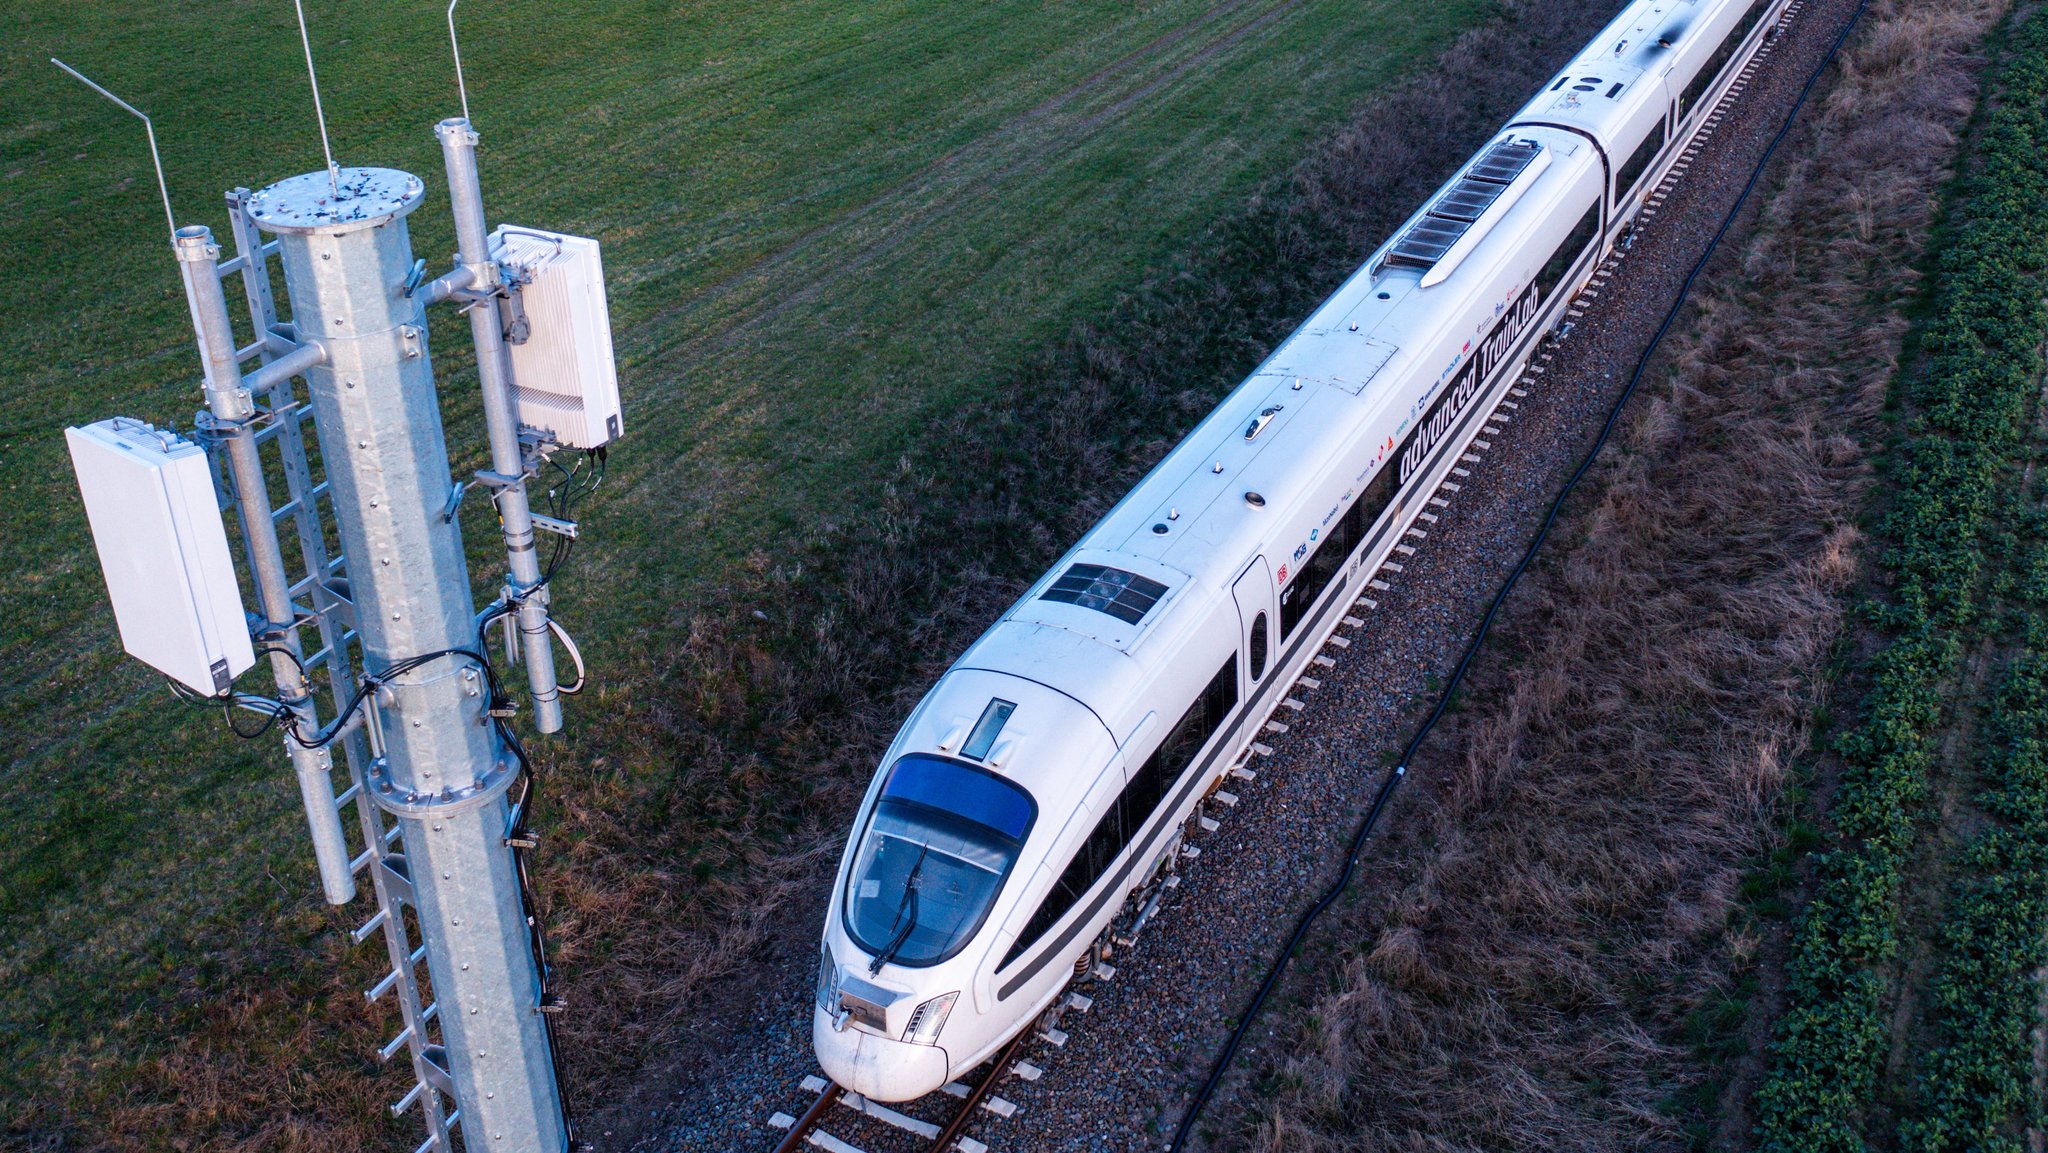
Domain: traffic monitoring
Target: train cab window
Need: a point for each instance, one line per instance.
(1134, 806)
(942, 838)
(1259, 645)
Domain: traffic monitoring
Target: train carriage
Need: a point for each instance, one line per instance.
(1051, 772)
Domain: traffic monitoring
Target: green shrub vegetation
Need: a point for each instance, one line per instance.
(1982, 348)
(1976, 1080)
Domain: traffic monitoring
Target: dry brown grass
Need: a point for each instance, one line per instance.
(1619, 766)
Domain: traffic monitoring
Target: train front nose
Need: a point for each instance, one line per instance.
(875, 1066)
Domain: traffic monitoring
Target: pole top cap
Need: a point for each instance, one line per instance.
(309, 204)
(456, 132)
(194, 243)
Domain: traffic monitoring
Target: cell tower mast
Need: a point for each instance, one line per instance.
(438, 779)
(444, 770)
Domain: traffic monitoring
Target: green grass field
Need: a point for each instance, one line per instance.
(823, 224)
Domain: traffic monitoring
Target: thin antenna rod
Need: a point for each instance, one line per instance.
(161, 188)
(333, 173)
(455, 44)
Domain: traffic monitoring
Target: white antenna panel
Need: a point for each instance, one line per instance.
(163, 551)
(564, 381)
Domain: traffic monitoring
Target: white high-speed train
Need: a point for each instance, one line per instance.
(1051, 773)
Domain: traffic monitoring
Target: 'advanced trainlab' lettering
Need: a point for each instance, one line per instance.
(1491, 354)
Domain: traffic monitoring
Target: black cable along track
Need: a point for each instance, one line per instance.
(1386, 789)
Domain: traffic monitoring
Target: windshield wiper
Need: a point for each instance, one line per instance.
(907, 905)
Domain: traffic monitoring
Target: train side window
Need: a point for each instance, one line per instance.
(1358, 518)
(1221, 695)
(1316, 573)
(1719, 59)
(1258, 646)
(1301, 592)
(1105, 842)
(1346, 534)
(1178, 749)
(1135, 804)
(1148, 787)
(1567, 252)
(1075, 880)
(1625, 180)
(1378, 494)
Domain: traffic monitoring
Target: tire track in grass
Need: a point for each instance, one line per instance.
(936, 192)
(1043, 111)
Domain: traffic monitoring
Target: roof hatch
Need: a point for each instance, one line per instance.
(1123, 595)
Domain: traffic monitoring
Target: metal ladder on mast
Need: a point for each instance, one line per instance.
(320, 602)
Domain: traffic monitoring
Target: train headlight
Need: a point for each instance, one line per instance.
(927, 1019)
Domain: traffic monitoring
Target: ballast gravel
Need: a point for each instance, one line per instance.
(1130, 1065)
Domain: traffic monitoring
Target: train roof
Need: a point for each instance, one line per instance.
(1189, 525)
(1615, 87)
(1283, 445)
(1225, 493)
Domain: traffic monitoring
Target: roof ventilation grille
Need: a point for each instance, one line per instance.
(1464, 202)
(1123, 595)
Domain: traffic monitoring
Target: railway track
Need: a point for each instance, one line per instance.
(886, 1128)
(945, 1135)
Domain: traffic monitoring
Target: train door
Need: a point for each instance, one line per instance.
(1257, 623)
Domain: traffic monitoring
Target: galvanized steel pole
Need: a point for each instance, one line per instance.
(230, 403)
(524, 589)
(444, 769)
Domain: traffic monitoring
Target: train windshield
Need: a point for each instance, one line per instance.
(942, 838)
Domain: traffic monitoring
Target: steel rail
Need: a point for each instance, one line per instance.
(954, 1129)
(812, 1118)
(944, 1142)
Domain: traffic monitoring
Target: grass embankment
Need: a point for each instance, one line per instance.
(1567, 963)
(206, 1005)
(1968, 410)
(827, 226)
